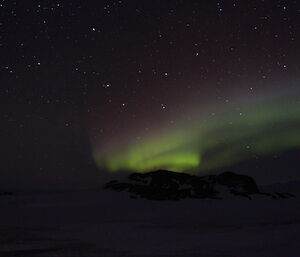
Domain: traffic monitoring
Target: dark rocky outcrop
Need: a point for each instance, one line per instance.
(6, 193)
(168, 185)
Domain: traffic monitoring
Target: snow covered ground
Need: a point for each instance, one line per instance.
(100, 223)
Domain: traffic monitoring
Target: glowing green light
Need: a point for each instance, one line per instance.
(219, 141)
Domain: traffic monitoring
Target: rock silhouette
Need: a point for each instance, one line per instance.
(6, 193)
(168, 185)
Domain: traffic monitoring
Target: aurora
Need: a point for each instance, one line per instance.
(223, 139)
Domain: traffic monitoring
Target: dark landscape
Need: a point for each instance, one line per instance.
(106, 223)
(167, 185)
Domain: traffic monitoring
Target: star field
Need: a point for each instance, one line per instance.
(79, 77)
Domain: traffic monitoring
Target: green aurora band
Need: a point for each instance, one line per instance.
(218, 141)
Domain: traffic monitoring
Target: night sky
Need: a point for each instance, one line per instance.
(89, 88)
